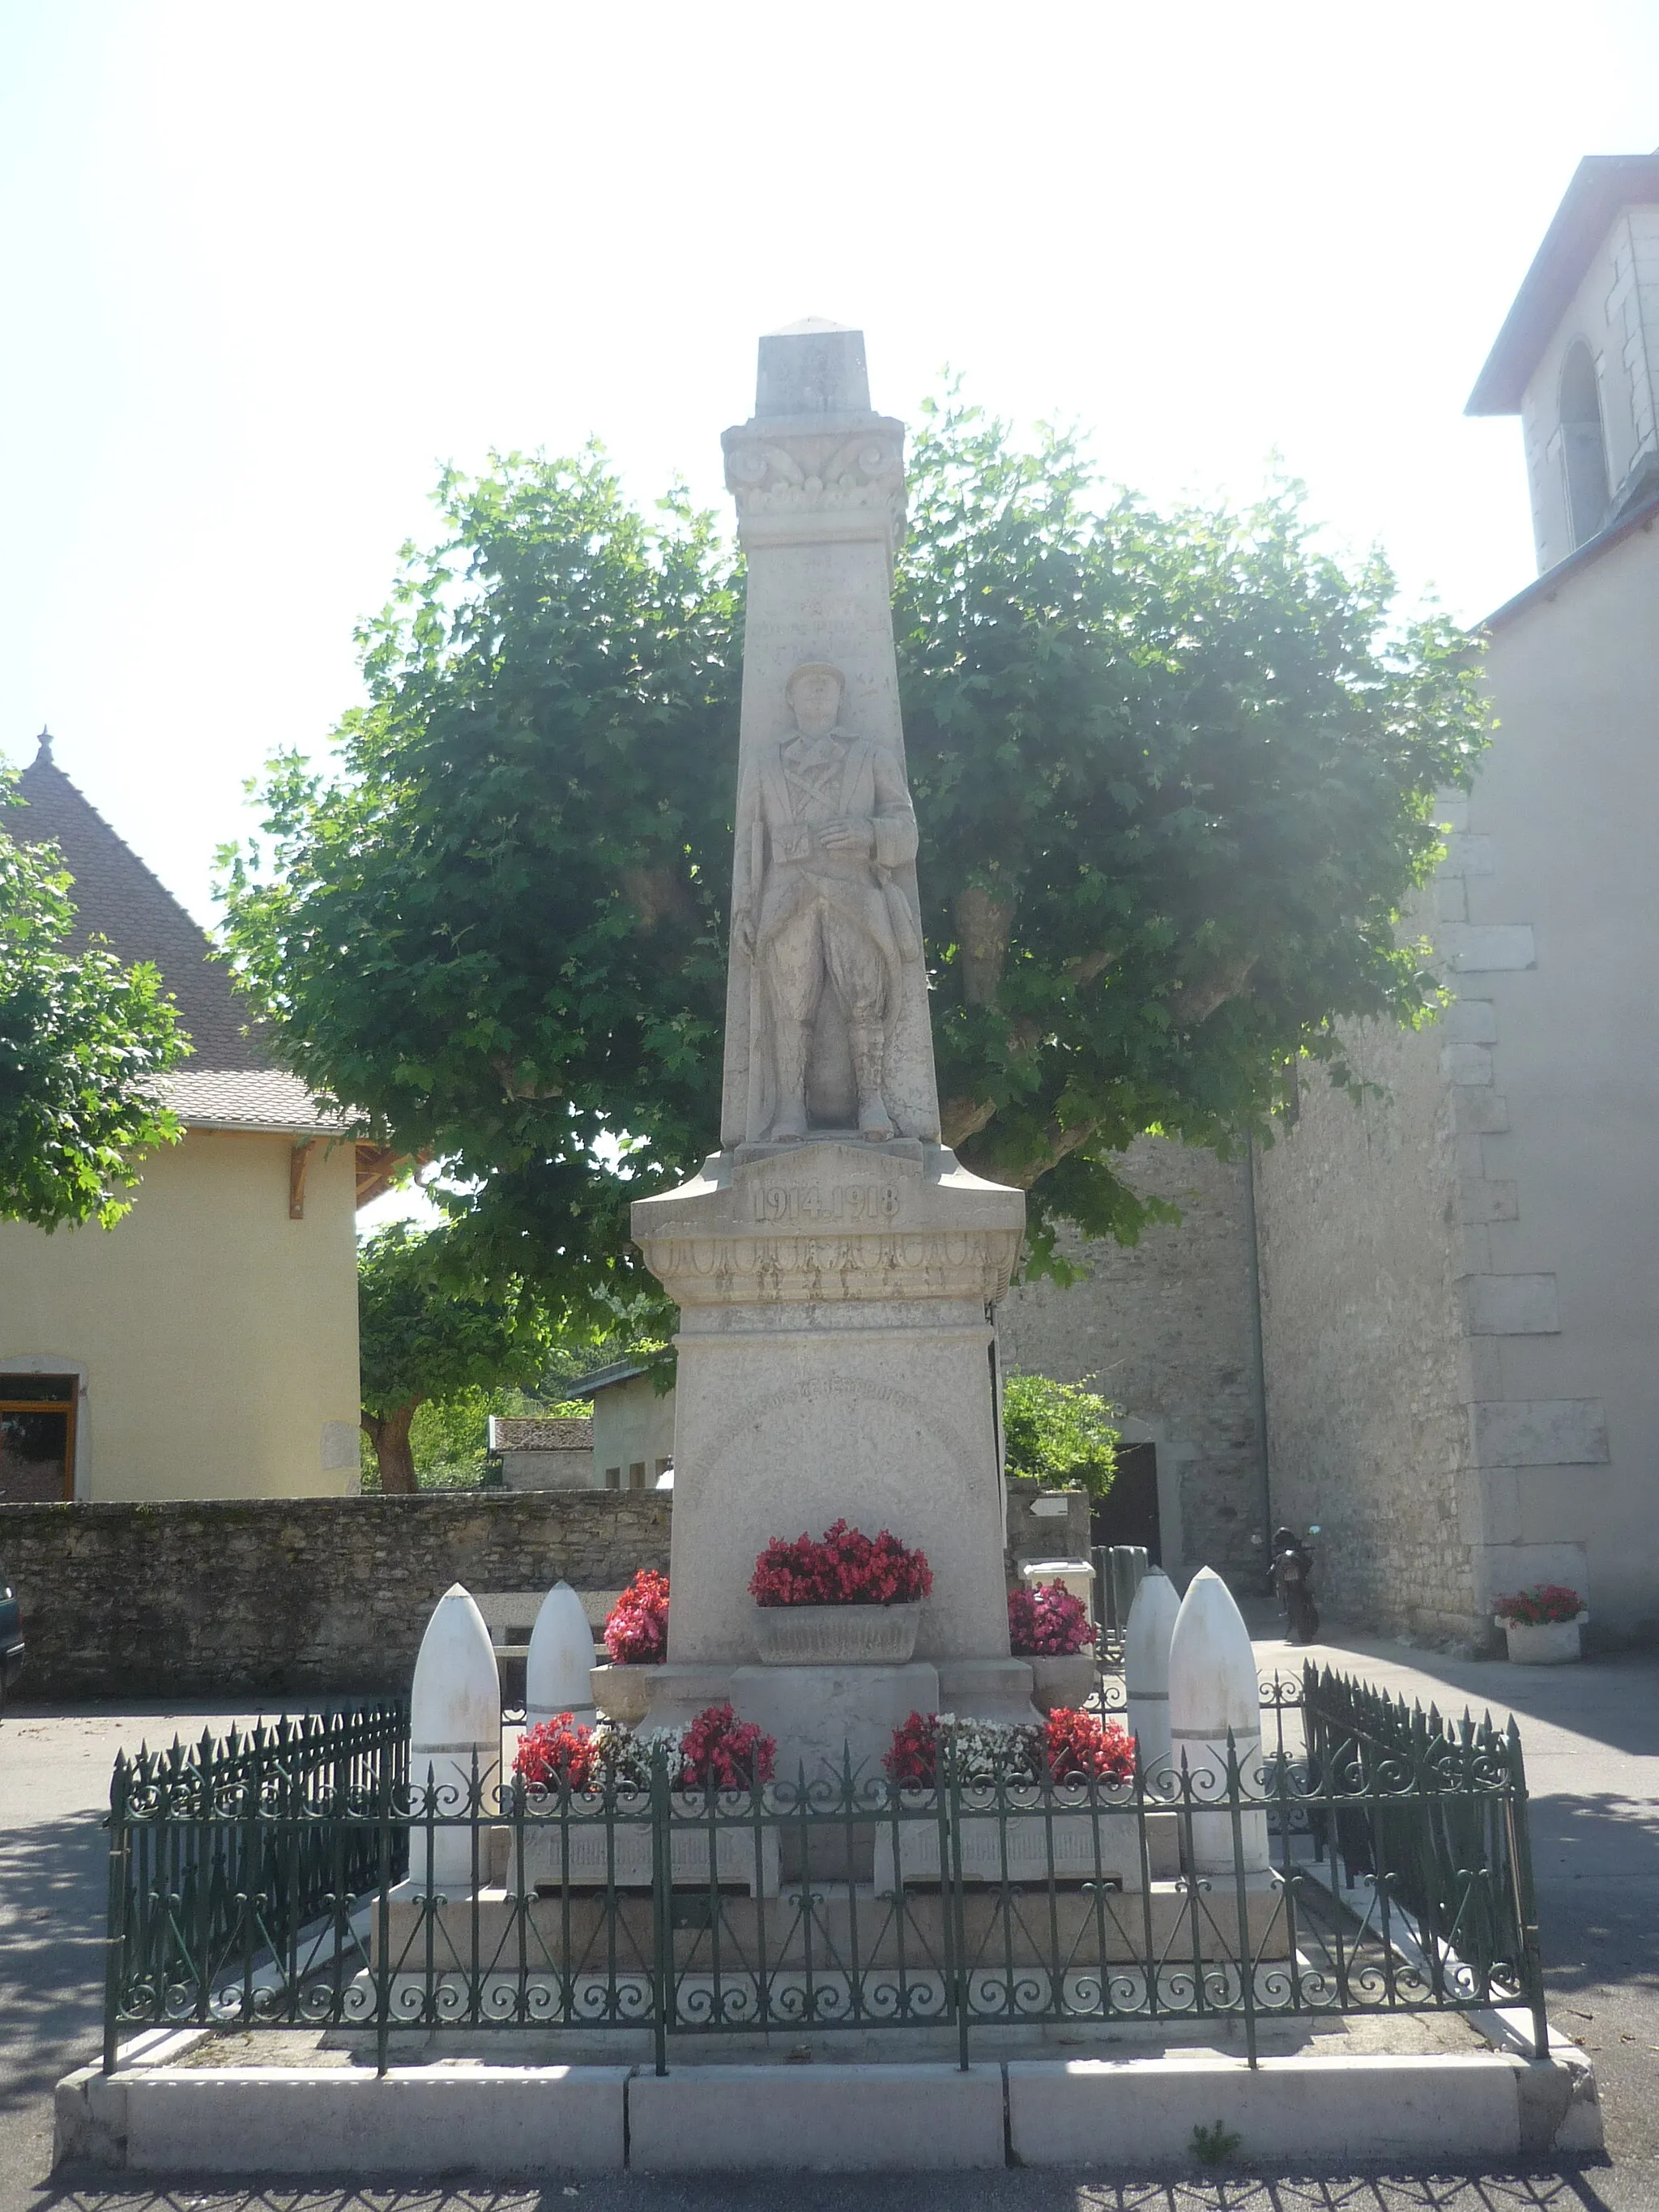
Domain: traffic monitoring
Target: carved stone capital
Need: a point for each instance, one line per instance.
(832, 1224)
(842, 477)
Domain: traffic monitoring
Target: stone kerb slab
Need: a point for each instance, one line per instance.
(1138, 2115)
(1399, 2107)
(822, 2120)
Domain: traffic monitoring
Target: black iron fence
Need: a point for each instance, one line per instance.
(222, 1854)
(1360, 1859)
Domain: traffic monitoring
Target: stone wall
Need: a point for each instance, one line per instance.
(290, 1598)
(1165, 1330)
(1367, 1423)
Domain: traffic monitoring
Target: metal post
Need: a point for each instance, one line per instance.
(1526, 1900)
(116, 1920)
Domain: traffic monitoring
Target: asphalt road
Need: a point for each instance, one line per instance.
(1591, 1738)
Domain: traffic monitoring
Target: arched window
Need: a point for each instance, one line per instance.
(1582, 451)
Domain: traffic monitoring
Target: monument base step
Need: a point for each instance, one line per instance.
(1123, 2116)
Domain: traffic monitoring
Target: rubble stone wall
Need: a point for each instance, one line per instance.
(290, 1596)
(1165, 1330)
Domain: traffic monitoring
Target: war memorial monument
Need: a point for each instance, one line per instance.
(834, 1264)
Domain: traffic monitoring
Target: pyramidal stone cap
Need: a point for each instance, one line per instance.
(812, 367)
(1213, 1678)
(560, 1659)
(1146, 1638)
(455, 1701)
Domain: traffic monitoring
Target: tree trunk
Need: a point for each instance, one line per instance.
(389, 1434)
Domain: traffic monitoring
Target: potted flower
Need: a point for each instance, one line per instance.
(1541, 1625)
(635, 1638)
(1056, 1799)
(843, 1600)
(1049, 1625)
(589, 1817)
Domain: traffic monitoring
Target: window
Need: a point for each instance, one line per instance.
(613, 1478)
(1583, 453)
(636, 1475)
(36, 1439)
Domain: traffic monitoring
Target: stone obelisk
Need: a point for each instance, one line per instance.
(834, 1265)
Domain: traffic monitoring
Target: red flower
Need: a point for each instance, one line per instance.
(1080, 1748)
(636, 1634)
(1532, 1607)
(1047, 1623)
(554, 1752)
(913, 1761)
(844, 1567)
(731, 1754)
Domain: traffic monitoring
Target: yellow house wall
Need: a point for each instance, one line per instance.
(216, 1339)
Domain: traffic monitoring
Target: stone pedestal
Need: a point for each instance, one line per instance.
(835, 1363)
(823, 1715)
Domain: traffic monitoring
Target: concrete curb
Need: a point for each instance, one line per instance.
(500, 2121)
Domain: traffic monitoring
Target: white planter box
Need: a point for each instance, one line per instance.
(1029, 1856)
(1544, 1642)
(625, 1857)
(836, 1635)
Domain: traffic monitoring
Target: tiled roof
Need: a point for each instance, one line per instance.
(229, 1081)
(244, 1098)
(525, 1433)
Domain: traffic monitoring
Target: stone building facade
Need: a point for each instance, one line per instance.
(1165, 1330)
(1455, 1282)
(1461, 1279)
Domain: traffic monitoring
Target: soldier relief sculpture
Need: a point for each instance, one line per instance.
(823, 909)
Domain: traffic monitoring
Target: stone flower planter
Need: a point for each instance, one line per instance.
(1031, 1855)
(1544, 1642)
(836, 1635)
(1068, 1681)
(622, 1693)
(623, 1855)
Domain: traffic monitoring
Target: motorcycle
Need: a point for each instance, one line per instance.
(1292, 1579)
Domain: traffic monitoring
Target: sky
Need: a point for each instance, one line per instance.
(265, 269)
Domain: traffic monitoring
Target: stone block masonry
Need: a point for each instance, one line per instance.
(290, 1598)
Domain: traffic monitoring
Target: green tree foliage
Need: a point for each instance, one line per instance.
(82, 1042)
(423, 1337)
(1058, 1433)
(1174, 776)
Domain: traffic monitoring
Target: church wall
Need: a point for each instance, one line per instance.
(1361, 1333)
(1570, 1414)
(217, 1339)
(1461, 1279)
(1616, 312)
(1165, 1330)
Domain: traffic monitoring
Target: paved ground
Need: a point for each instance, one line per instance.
(1591, 1735)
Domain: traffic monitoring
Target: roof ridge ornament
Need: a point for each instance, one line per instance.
(44, 743)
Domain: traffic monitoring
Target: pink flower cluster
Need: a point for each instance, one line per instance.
(1047, 1623)
(1531, 1608)
(719, 1749)
(844, 1567)
(553, 1751)
(636, 1634)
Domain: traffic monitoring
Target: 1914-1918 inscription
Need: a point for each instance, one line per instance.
(842, 1202)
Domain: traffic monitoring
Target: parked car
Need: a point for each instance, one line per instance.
(11, 1637)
